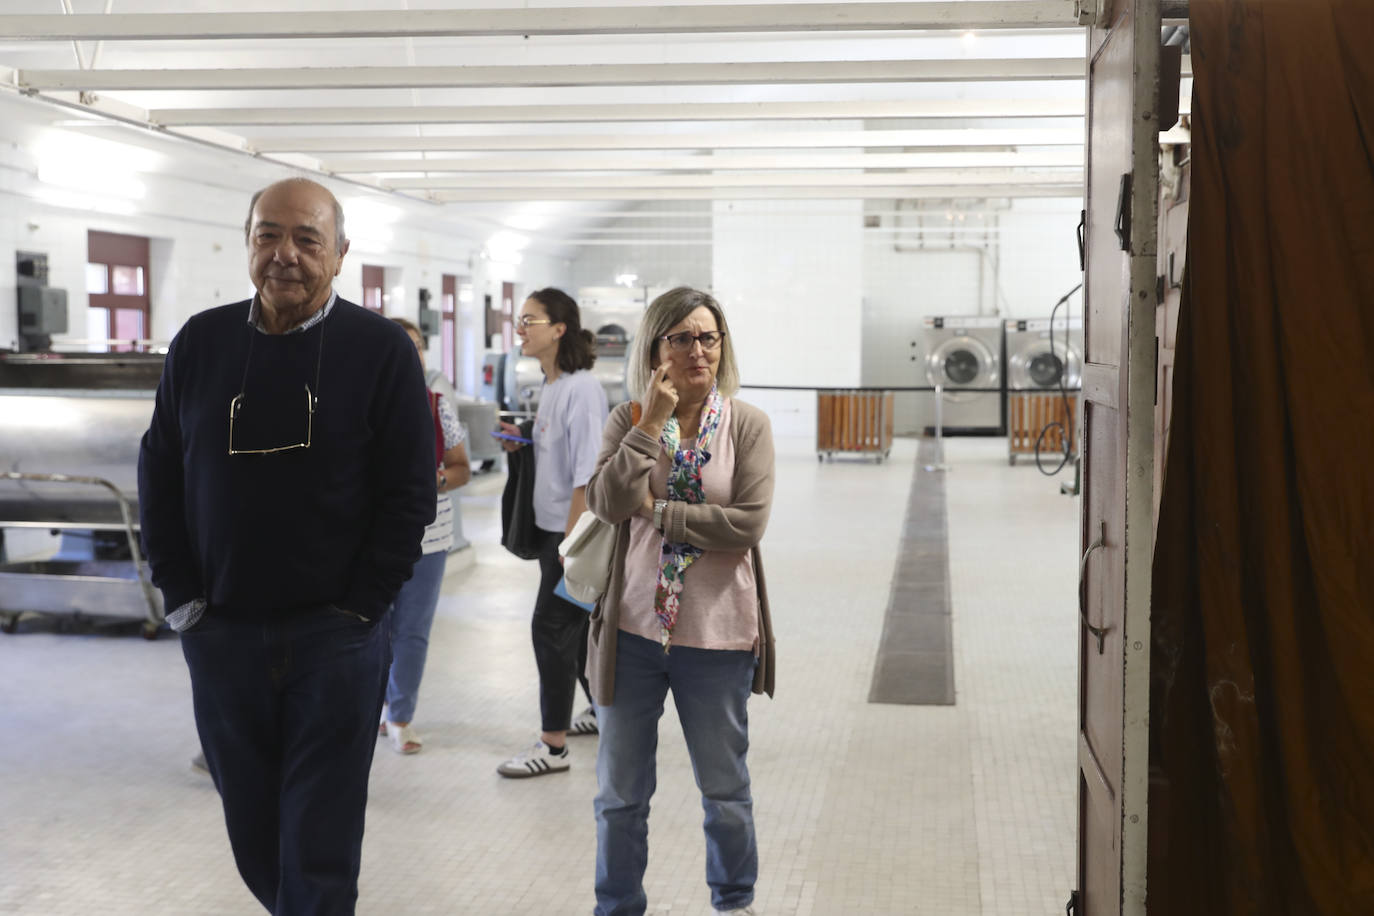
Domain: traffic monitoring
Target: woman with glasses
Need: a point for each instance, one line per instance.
(687, 476)
(567, 430)
(413, 610)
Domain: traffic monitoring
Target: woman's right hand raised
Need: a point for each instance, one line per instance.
(510, 429)
(660, 400)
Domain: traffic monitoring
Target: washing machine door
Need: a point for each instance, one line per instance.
(962, 362)
(1033, 364)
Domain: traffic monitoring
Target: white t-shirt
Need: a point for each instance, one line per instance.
(567, 437)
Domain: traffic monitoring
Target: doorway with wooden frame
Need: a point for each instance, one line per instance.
(1119, 247)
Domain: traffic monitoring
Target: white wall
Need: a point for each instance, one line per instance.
(192, 210)
(1039, 256)
(789, 275)
(656, 265)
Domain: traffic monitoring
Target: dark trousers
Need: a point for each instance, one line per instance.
(287, 713)
(559, 632)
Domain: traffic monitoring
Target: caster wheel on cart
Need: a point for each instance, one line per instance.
(1011, 460)
(9, 624)
(149, 631)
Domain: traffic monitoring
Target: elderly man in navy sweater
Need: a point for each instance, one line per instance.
(284, 486)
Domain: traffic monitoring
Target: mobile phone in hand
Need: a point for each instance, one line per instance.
(521, 439)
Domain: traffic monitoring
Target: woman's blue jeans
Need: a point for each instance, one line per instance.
(411, 617)
(710, 689)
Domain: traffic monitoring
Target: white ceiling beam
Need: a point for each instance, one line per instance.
(783, 17)
(818, 192)
(799, 139)
(701, 74)
(699, 240)
(944, 177)
(691, 111)
(1062, 157)
(694, 217)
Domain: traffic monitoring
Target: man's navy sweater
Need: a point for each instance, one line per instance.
(337, 523)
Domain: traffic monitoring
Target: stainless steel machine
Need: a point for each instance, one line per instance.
(523, 378)
(70, 426)
(965, 352)
(1040, 358)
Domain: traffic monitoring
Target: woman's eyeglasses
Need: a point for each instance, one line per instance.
(682, 341)
(526, 321)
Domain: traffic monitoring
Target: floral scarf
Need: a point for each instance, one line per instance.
(684, 484)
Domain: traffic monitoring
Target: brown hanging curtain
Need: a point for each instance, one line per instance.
(1262, 687)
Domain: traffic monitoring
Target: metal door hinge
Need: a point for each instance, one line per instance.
(1082, 241)
(1089, 12)
(1123, 212)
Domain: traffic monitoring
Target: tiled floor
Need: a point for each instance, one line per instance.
(965, 810)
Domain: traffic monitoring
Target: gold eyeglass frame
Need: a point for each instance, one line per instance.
(311, 402)
(237, 402)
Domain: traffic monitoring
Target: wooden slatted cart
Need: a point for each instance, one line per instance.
(1028, 415)
(853, 422)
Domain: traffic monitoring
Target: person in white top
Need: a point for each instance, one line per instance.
(567, 435)
(413, 611)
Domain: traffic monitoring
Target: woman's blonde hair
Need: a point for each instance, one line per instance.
(663, 314)
(411, 326)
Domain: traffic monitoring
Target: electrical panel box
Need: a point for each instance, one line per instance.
(430, 322)
(42, 310)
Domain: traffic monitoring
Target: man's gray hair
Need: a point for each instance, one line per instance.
(665, 312)
(339, 235)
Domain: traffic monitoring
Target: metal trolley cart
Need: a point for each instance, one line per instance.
(70, 425)
(98, 588)
(853, 422)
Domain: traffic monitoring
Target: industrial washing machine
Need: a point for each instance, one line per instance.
(1044, 376)
(1039, 357)
(964, 352)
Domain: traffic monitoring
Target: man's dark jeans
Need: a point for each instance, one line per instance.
(287, 713)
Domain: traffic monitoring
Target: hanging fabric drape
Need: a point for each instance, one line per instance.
(1262, 688)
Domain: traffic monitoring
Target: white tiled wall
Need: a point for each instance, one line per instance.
(1039, 256)
(789, 275)
(655, 265)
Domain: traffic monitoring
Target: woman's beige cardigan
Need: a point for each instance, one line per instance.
(617, 490)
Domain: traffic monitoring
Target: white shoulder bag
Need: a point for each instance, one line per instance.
(587, 554)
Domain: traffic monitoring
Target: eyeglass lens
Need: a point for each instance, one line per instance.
(709, 340)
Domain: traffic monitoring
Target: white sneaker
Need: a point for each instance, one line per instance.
(584, 723)
(538, 760)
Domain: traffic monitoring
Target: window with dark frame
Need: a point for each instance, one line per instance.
(117, 283)
(448, 303)
(374, 282)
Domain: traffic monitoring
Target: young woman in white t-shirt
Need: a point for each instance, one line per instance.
(567, 436)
